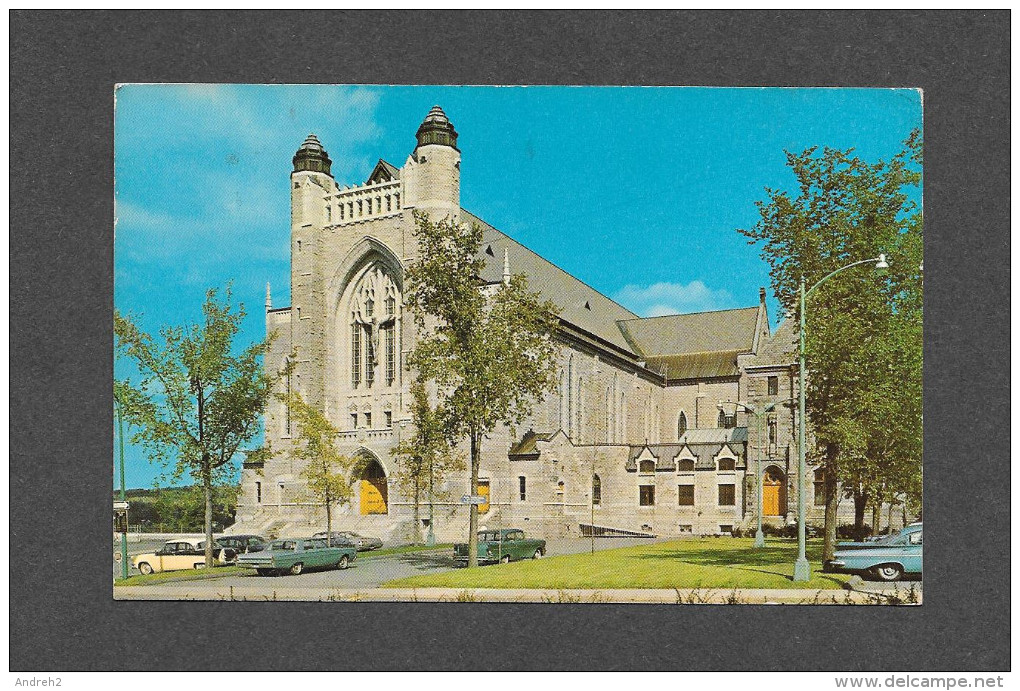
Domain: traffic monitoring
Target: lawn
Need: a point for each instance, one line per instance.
(696, 563)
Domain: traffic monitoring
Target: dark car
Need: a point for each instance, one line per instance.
(243, 544)
(503, 546)
(361, 542)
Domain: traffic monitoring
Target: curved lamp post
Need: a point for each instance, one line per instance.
(801, 568)
(759, 536)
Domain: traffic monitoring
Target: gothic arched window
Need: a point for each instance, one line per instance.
(596, 490)
(369, 329)
(681, 425)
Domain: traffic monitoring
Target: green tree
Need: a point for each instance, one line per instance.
(488, 349)
(197, 402)
(327, 472)
(427, 457)
(863, 328)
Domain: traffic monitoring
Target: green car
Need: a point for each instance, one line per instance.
(503, 546)
(294, 555)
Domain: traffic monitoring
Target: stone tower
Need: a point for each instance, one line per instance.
(431, 175)
(310, 181)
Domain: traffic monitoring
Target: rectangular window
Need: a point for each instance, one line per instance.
(354, 421)
(355, 354)
(368, 420)
(686, 528)
(773, 386)
(369, 356)
(646, 496)
(258, 492)
(523, 481)
(727, 495)
(329, 214)
(391, 353)
(819, 486)
(686, 493)
(388, 417)
(773, 430)
(726, 528)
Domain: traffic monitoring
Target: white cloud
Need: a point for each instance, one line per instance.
(663, 298)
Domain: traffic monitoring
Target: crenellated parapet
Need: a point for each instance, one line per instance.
(363, 203)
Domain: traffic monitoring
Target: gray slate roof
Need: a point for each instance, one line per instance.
(780, 348)
(700, 332)
(722, 363)
(570, 294)
(705, 444)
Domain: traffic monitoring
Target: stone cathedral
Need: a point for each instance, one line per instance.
(643, 434)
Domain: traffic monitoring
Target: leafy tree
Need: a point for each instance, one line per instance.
(328, 472)
(197, 401)
(863, 328)
(488, 349)
(426, 458)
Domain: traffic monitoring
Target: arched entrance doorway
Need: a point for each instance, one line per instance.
(373, 493)
(773, 494)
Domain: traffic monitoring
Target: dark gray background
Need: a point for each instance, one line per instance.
(63, 68)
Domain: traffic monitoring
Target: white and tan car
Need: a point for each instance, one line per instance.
(180, 554)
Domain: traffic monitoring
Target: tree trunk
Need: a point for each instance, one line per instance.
(476, 458)
(831, 505)
(876, 514)
(329, 522)
(207, 486)
(860, 505)
(417, 512)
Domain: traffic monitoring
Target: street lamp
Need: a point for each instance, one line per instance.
(759, 536)
(801, 568)
(123, 492)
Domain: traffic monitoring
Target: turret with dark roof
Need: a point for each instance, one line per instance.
(312, 156)
(437, 129)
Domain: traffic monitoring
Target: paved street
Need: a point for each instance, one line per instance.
(376, 570)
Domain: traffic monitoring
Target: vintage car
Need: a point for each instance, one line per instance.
(294, 555)
(243, 544)
(503, 546)
(878, 539)
(886, 561)
(179, 554)
(361, 542)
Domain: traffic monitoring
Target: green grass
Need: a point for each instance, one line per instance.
(698, 563)
(183, 575)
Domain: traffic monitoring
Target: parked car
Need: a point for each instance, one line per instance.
(243, 544)
(294, 555)
(179, 554)
(503, 545)
(360, 542)
(886, 561)
(876, 540)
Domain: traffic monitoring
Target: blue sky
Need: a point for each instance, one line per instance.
(638, 191)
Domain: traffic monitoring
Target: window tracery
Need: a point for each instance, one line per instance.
(370, 328)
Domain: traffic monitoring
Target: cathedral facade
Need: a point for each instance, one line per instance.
(657, 426)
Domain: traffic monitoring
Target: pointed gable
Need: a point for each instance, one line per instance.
(383, 172)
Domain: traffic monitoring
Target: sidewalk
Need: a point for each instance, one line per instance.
(682, 596)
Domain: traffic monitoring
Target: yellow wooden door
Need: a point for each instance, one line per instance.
(483, 491)
(373, 496)
(770, 497)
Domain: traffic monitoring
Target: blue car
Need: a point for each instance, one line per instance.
(887, 560)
